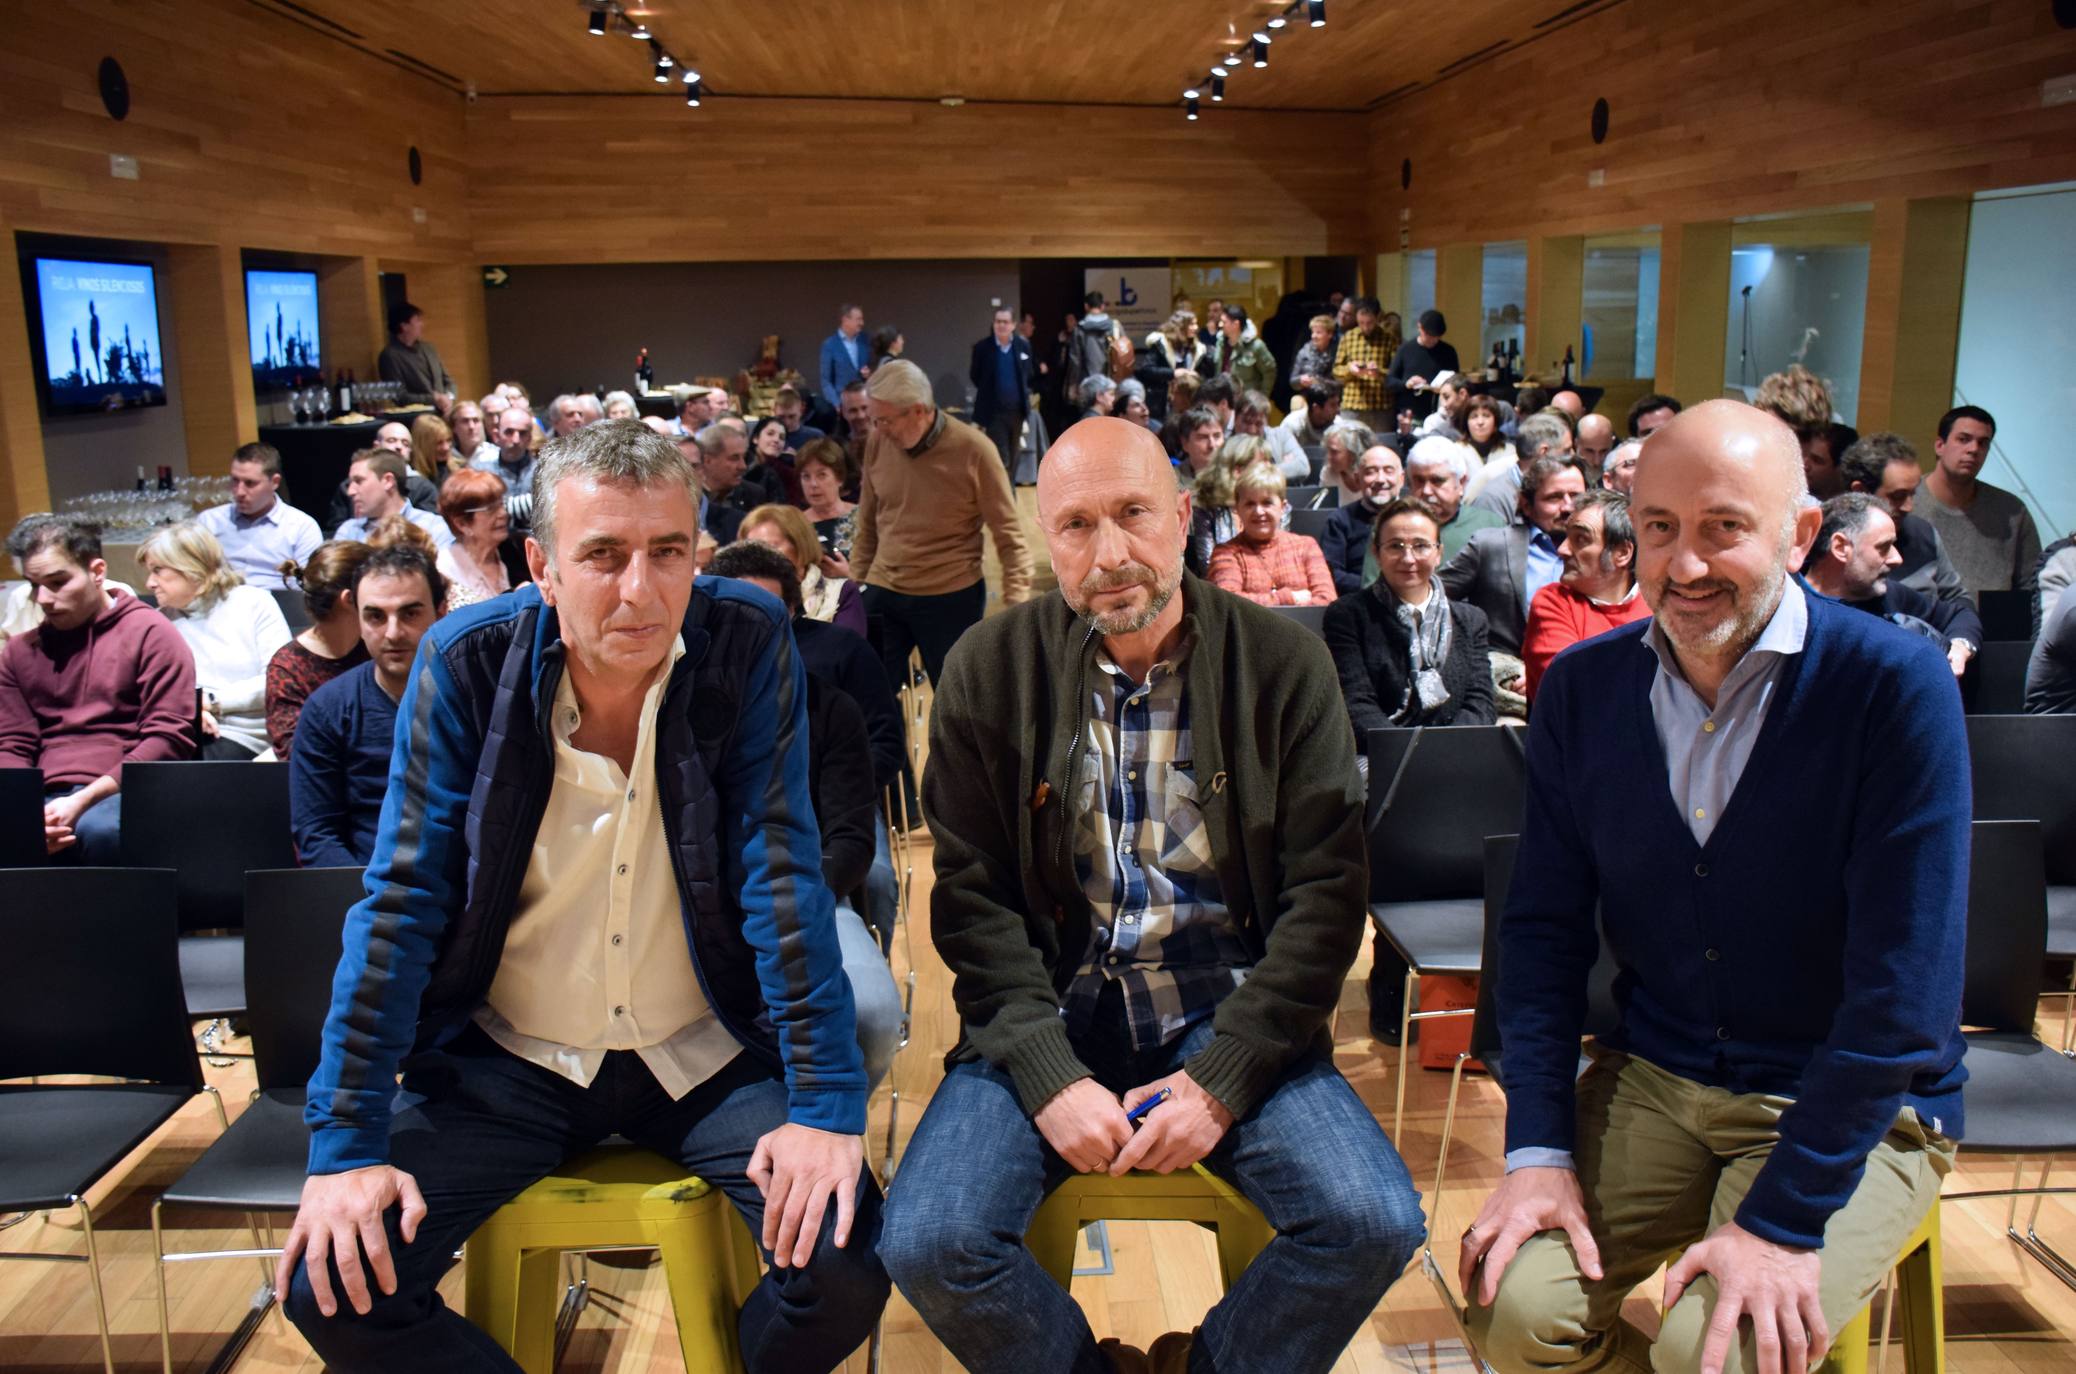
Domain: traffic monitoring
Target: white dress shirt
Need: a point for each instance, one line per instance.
(258, 545)
(597, 956)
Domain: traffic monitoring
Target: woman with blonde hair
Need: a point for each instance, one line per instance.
(481, 562)
(329, 648)
(834, 600)
(1212, 521)
(1264, 562)
(432, 450)
(231, 629)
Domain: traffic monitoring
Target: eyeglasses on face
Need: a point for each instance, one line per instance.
(1419, 548)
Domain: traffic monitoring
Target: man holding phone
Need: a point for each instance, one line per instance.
(1143, 967)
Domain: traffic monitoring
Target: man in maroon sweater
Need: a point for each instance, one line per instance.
(100, 683)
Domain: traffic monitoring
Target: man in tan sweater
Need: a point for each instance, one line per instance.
(929, 483)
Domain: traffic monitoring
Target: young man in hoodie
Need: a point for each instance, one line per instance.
(102, 682)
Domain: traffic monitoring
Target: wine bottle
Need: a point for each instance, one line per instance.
(142, 483)
(643, 373)
(346, 393)
(165, 477)
(1567, 366)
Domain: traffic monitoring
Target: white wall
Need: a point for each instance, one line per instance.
(1795, 290)
(2018, 346)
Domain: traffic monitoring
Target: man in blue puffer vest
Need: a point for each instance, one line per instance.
(595, 908)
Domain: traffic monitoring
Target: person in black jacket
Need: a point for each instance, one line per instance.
(1854, 554)
(1420, 360)
(846, 804)
(1003, 374)
(1406, 655)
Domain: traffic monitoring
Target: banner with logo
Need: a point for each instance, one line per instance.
(1139, 296)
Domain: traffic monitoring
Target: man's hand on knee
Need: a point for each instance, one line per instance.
(341, 1218)
(1526, 1203)
(798, 1169)
(1774, 1285)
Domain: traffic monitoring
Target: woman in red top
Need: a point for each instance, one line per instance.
(331, 645)
(1265, 562)
(1597, 590)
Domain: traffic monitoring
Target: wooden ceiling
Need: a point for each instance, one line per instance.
(1083, 52)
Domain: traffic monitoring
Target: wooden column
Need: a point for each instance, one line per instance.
(1556, 301)
(1693, 309)
(451, 295)
(205, 285)
(349, 294)
(1913, 328)
(24, 483)
(1389, 287)
(1459, 293)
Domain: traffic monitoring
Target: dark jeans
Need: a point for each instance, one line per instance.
(931, 624)
(475, 1126)
(1310, 1156)
(99, 833)
(1006, 428)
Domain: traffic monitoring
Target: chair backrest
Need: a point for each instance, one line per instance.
(1603, 1014)
(212, 823)
(293, 917)
(1309, 523)
(1999, 670)
(294, 609)
(21, 817)
(1312, 618)
(2006, 615)
(2024, 768)
(1305, 498)
(1435, 793)
(2007, 926)
(95, 959)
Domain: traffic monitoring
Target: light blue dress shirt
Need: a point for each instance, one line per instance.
(356, 529)
(258, 545)
(1544, 566)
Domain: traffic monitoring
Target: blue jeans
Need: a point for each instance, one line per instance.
(875, 998)
(1310, 1156)
(882, 887)
(475, 1125)
(99, 833)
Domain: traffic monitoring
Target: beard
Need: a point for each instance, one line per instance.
(1124, 620)
(1750, 608)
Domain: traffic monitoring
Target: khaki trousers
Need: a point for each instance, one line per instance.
(1663, 1162)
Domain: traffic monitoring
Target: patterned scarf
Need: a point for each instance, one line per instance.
(1432, 631)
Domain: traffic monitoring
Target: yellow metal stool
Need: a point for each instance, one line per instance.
(1919, 1299)
(1192, 1194)
(617, 1196)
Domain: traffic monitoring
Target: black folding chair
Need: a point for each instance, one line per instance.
(293, 920)
(1312, 618)
(2020, 1094)
(212, 823)
(1435, 793)
(1310, 523)
(21, 817)
(2006, 615)
(2020, 767)
(1304, 498)
(1998, 678)
(293, 608)
(99, 994)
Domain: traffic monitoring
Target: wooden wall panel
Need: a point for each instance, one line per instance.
(248, 128)
(1732, 108)
(1914, 271)
(24, 484)
(604, 179)
(205, 291)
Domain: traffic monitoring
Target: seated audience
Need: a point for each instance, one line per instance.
(1651, 412)
(1482, 430)
(1498, 487)
(2056, 572)
(1200, 435)
(569, 413)
(620, 405)
(791, 408)
(232, 631)
(1593, 439)
(1183, 391)
(102, 681)
(1435, 475)
(1097, 395)
(1212, 518)
(484, 560)
(375, 485)
(2051, 671)
(432, 449)
(771, 461)
(1251, 417)
(824, 470)
(833, 600)
(846, 805)
(1988, 532)
(857, 431)
(1886, 465)
(1346, 542)
(1313, 412)
(718, 520)
(419, 491)
(1771, 1111)
(1219, 396)
(1263, 561)
(513, 457)
(258, 530)
(1130, 404)
(1340, 453)
(19, 610)
(330, 646)
(1854, 560)
(339, 767)
(1500, 570)
(1171, 353)
(473, 425)
(1618, 474)
(1597, 590)
(724, 452)
(1801, 400)
(1453, 394)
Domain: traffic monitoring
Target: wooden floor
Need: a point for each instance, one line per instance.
(2003, 1311)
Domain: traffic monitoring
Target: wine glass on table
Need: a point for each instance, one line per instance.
(324, 404)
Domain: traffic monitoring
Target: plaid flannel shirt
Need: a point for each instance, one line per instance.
(1363, 393)
(1159, 926)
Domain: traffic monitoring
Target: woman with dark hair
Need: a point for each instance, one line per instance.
(824, 467)
(886, 343)
(770, 459)
(330, 647)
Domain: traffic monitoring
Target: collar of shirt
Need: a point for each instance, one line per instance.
(568, 715)
(268, 516)
(1634, 588)
(930, 436)
(1787, 630)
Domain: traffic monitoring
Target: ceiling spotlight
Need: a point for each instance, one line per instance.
(1219, 71)
(1190, 94)
(1317, 10)
(688, 75)
(1192, 107)
(640, 31)
(693, 93)
(1261, 51)
(597, 26)
(663, 71)
(663, 59)
(1261, 37)
(1218, 87)
(1278, 22)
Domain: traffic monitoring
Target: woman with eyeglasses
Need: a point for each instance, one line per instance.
(1407, 655)
(482, 562)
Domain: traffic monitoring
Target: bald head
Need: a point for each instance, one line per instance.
(1101, 450)
(1570, 403)
(1114, 524)
(1596, 439)
(1724, 438)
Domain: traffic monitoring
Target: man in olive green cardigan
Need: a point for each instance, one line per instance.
(1150, 880)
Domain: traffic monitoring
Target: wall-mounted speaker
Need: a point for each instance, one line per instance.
(1405, 174)
(417, 167)
(1600, 120)
(115, 89)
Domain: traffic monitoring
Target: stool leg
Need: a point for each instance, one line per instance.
(1921, 1288)
(1051, 1239)
(1849, 1347)
(540, 1292)
(1242, 1234)
(490, 1285)
(697, 1265)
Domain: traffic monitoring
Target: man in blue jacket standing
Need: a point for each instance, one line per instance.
(595, 908)
(1779, 1103)
(1003, 374)
(844, 359)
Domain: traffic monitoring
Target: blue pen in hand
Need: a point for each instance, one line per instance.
(1134, 1115)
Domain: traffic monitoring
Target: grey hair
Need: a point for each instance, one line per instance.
(1615, 524)
(1540, 432)
(1627, 448)
(1847, 515)
(1131, 386)
(614, 452)
(1094, 386)
(612, 397)
(1354, 437)
(588, 404)
(899, 382)
(711, 438)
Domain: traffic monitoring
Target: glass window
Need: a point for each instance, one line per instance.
(1798, 294)
(1618, 310)
(1419, 289)
(1505, 300)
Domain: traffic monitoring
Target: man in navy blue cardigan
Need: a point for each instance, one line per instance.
(1765, 795)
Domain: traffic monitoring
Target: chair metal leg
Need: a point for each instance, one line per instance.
(1405, 1036)
(158, 1256)
(86, 1225)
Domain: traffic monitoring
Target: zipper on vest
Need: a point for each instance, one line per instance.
(1059, 848)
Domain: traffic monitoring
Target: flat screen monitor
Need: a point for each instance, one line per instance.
(95, 330)
(281, 317)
